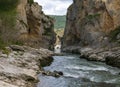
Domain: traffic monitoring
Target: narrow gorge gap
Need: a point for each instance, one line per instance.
(57, 9)
(59, 28)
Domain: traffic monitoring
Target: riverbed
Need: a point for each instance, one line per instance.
(79, 72)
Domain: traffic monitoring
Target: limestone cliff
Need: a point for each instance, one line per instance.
(93, 30)
(32, 26)
(93, 23)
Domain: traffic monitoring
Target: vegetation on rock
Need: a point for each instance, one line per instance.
(6, 5)
(59, 21)
(7, 21)
(30, 1)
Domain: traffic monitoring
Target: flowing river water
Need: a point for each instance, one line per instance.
(79, 72)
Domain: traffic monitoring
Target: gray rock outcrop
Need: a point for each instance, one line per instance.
(19, 68)
(92, 24)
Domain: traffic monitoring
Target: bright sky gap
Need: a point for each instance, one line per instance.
(54, 7)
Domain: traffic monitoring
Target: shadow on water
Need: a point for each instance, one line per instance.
(80, 73)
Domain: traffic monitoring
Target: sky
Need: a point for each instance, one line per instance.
(54, 7)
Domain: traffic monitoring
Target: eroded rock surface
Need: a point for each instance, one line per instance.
(19, 68)
(92, 24)
(36, 28)
(27, 25)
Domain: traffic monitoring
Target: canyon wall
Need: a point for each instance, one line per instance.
(32, 27)
(93, 30)
(92, 23)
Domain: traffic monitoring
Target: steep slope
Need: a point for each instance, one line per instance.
(32, 27)
(91, 23)
(93, 30)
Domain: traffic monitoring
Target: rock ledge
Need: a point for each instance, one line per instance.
(19, 65)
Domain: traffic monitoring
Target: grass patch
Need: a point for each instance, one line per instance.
(6, 51)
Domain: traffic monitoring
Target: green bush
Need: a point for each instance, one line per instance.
(8, 17)
(6, 5)
(6, 51)
(30, 1)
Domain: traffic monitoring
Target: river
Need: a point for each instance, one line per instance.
(79, 72)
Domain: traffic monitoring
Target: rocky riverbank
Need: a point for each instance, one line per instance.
(20, 65)
(109, 55)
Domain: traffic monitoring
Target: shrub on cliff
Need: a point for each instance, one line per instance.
(7, 21)
(30, 1)
(6, 5)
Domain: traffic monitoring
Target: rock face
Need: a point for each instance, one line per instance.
(36, 28)
(20, 65)
(32, 26)
(92, 24)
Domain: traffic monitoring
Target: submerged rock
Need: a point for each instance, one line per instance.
(54, 73)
